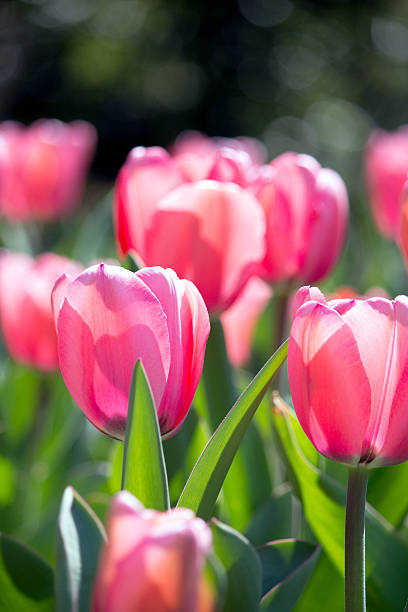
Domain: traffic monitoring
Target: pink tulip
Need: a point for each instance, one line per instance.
(306, 211)
(107, 319)
(43, 167)
(386, 171)
(348, 375)
(209, 232)
(240, 319)
(402, 238)
(198, 156)
(153, 561)
(25, 306)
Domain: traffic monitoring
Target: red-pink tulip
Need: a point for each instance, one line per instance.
(153, 561)
(43, 167)
(107, 319)
(402, 238)
(306, 211)
(25, 306)
(209, 232)
(240, 319)
(386, 171)
(348, 376)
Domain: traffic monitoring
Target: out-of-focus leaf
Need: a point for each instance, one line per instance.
(144, 470)
(388, 492)
(79, 539)
(19, 389)
(116, 462)
(26, 580)
(7, 485)
(207, 477)
(325, 584)
(273, 519)
(323, 501)
(286, 566)
(242, 566)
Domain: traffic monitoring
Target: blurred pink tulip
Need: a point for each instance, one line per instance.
(25, 306)
(306, 211)
(107, 319)
(386, 171)
(209, 232)
(43, 167)
(240, 319)
(348, 376)
(402, 238)
(153, 561)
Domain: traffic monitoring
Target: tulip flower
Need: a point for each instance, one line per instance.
(386, 171)
(306, 212)
(210, 232)
(152, 561)
(348, 372)
(43, 167)
(25, 306)
(240, 319)
(402, 240)
(107, 319)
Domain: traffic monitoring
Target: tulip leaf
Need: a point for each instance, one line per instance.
(242, 565)
(287, 566)
(325, 584)
(80, 536)
(388, 492)
(144, 470)
(206, 479)
(323, 501)
(26, 580)
(249, 470)
(273, 519)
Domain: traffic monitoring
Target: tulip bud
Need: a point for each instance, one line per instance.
(43, 167)
(153, 561)
(348, 376)
(25, 306)
(306, 212)
(107, 319)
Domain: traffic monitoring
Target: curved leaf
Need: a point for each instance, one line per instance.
(205, 481)
(287, 566)
(80, 535)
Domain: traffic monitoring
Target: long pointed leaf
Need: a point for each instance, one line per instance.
(80, 536)
(205, 481)
(144, 470)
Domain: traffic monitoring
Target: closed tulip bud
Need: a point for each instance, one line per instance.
(153, 561)
(209, 232)
(25, 306)
(107, 319)
(348, 376)
(306, 212)
(386, 171)
(43, 167)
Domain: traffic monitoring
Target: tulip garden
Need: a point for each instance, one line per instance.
(203, 401)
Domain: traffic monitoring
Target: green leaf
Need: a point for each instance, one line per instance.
(80, 536)
(324, 585)
(273, 519)
(242, 566)
(144, 470)
(26, 580)
(205, 481)
(388, 492)
(287, 566)
(7, 485)
(323, 501)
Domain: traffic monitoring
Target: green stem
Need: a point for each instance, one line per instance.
(218, 378)
(280, 303)
(355, 540)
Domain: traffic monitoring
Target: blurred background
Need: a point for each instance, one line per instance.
(308, 76)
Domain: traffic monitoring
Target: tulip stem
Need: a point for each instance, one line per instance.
(355, 540)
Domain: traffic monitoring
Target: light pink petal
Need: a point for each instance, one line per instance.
(240, 319)
(230, 165)
(108, 320)
(188, 326)
(330, 389)
(307, 294)
(210, 233)
(147, 176)
(328, 223)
